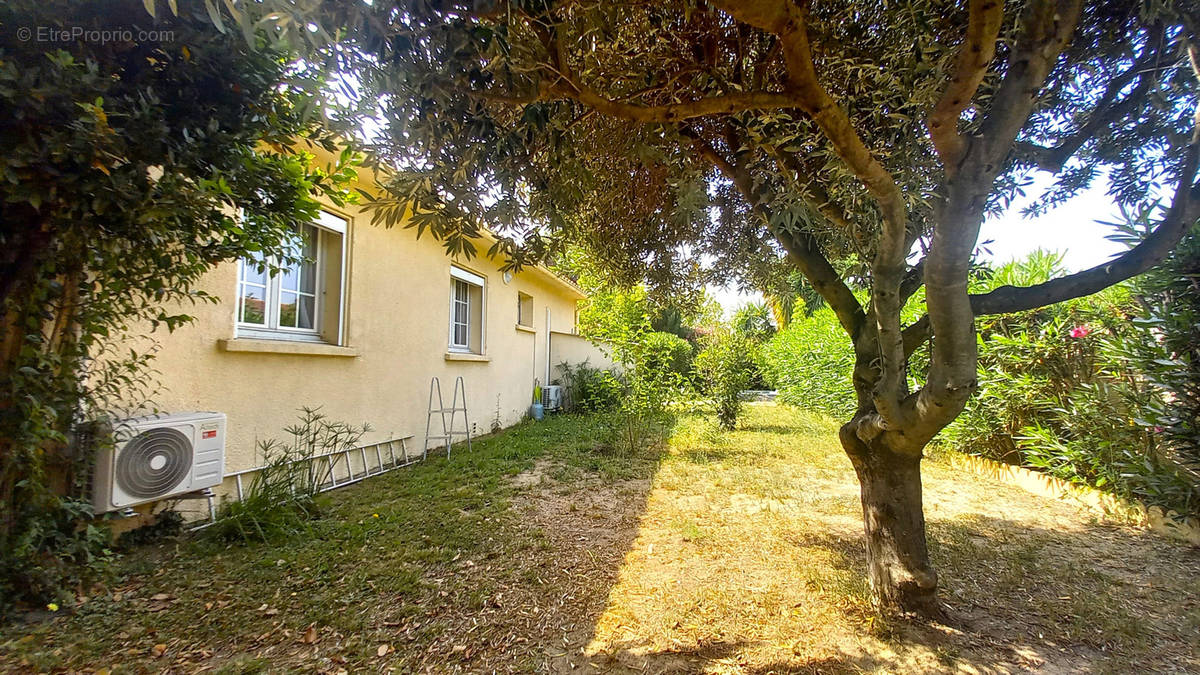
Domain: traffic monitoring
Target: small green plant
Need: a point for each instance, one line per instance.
(282, 497)
(726, 367)
(590, 389)
(497, 425)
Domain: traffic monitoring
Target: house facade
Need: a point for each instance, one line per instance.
(359, 331)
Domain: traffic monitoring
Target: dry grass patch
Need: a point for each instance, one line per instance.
(749, 558)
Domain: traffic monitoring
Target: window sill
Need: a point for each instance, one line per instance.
(284, 347)
(526, 329)
(466, 356)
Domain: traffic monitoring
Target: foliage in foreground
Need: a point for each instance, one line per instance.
(282, 496)
(124, 162)
(1168, 356)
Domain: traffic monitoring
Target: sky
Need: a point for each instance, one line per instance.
(1072, 229)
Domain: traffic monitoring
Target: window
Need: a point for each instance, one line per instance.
(524, 310)
(300, 301)
(466, 311)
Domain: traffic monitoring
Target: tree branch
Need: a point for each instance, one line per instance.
(1106, 112)
(917, 334)
(913, 280)
(789, 21)
(974, 55)
(1184, 212)
(1046, 28)
(802, 248)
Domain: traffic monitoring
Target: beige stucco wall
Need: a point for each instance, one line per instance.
(396, 337)
(573, 349)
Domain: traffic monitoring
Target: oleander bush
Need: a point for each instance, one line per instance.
(810, 362)
(1059, 393)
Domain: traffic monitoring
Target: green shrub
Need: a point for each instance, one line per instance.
(590, 389)
(667, 352)
(1058, 393)
(1168, 351)
(810, 363)
(282, 496)
(727, 367)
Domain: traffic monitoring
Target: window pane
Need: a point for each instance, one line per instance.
(302, 275)
(248, 271)
(460, 334)
(460, 312)
(304, 316)
(254, 304)
(288, 277)
(287, 309)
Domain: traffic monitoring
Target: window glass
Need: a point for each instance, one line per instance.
(462, 307)
(298, 284)
(525, 310)
(252, 291)
(284, 304)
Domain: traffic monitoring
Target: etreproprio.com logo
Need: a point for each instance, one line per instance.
(67, 34)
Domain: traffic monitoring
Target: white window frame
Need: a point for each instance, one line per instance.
(270, 328)
(458, 274)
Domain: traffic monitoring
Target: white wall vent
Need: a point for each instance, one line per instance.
(158, 457)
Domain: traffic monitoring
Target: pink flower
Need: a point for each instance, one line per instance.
(1080, 331)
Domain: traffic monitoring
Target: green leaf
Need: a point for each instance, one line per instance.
(214, 15)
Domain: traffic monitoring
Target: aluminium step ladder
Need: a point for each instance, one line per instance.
(448, 431)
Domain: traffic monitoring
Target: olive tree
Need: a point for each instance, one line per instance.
(863, 143)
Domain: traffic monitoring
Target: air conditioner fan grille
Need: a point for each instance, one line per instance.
(153, 463)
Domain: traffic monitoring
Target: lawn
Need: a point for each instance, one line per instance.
(727, 552)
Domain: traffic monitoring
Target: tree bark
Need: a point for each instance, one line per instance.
(902, 578)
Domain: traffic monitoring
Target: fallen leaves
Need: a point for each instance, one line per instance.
(384, 650)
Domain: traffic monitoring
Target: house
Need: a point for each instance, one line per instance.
(359, 330)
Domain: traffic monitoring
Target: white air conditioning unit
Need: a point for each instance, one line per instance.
(552, 397)
(158, 457)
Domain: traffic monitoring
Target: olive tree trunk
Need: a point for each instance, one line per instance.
(901, 575)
